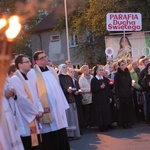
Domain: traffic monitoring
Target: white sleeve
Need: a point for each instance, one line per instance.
(27, 109)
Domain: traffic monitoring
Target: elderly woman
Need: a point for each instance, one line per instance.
(68, 88)
(101, 97)
(78, 98)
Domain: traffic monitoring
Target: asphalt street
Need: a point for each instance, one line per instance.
(137, 138)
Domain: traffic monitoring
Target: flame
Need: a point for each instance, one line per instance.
(14, 27)
(2, 23)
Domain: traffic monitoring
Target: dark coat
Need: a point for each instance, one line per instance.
(123, 84)
(143, 73)
(66, 82)
(145, 83)
(78, 100)
(101, 102)
(100, 96)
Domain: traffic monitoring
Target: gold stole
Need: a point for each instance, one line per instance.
(43, 96)
(33, 130)
(53, 73)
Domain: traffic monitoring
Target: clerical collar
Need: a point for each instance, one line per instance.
(43, 69)
(24, 75)
(99, 78)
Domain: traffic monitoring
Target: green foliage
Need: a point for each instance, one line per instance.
(92, 16)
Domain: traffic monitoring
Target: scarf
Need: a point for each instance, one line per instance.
(43, 96)
(33, 130)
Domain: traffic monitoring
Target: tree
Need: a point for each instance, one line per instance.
(92, 16)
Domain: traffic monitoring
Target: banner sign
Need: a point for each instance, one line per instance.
(135, 46)
(123, 21)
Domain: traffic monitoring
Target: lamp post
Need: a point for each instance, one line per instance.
(67, 35)
(9, 29)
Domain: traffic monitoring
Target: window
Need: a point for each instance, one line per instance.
(73, 40)
(90, 36)
(55, 38)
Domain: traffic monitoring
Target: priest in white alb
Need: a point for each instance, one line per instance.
(28, 104)
(54, 122)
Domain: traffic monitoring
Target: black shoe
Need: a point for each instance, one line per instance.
(125, 126)
(81, 132)
(101, 129)
(129, 126)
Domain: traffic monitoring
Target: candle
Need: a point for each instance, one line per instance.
(79, 90)
(133, 82)
(110, 81)
(70, 87)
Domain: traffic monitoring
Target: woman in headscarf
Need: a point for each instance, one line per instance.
(78, 98)
(101, 97)
(69, 91)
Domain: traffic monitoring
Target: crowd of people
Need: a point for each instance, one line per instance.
(44, 107)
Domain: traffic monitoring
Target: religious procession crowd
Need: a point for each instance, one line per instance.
(43, 108)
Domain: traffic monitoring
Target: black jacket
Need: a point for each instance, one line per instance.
(145, 83)
(66, 82)
(123, 84)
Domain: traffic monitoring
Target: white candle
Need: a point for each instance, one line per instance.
(70, 87)
(133, 82)
(79, 90)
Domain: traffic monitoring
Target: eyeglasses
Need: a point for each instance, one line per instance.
(42, 57)
(28, 62)
(101, 70)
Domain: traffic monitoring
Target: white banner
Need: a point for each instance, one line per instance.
(124, 22)
(133, 46)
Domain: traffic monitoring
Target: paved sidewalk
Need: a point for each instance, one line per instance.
(137, 138)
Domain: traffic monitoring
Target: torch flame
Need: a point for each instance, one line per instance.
(2, 23)
(14, 27)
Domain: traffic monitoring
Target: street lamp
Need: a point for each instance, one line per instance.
(67, 35)
(9, 29)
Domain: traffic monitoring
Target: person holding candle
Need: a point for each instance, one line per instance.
(70, 91)
(78, 98)
(123, 93)
(137, 91)
(101, 97)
